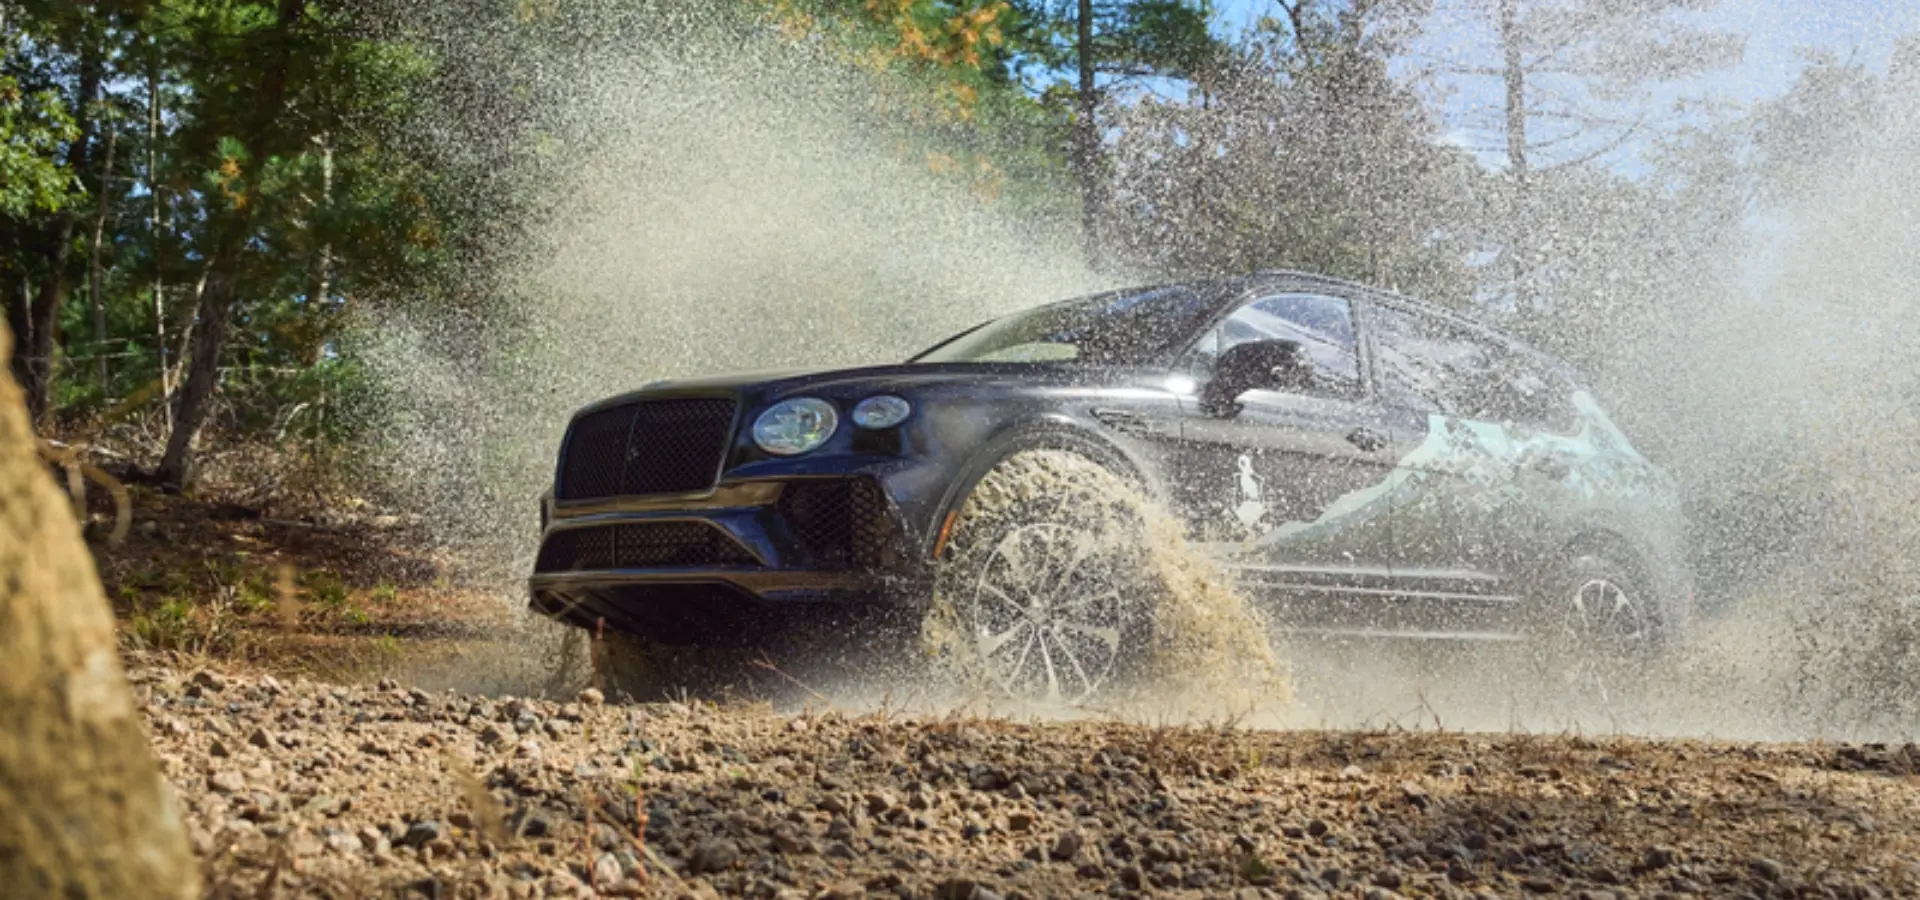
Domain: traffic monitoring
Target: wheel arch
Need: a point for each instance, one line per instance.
(1615, 546)
(1052, 433)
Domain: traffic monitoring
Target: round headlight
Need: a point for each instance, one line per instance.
(881, 411)
(795, 426)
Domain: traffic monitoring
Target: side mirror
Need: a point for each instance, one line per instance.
(1255, 365)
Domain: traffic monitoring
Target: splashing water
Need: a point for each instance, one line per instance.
(739, 209)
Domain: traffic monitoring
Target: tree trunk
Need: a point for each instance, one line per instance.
(83, 810)
(320, 296)
(43, 320)
(93, 269)
(158, 226)
(1514, 72)
(195, 399)
(1086, 139)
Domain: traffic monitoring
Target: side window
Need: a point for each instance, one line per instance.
(1323, 326)
(1429, 364)
(1426, 364)
(1540, 395)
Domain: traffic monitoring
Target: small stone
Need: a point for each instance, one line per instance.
(607, 870)
(1387, 878)
(498, 734)
(1657, 858)
(563, 884)
(1767, 869)
(786, 841)
(533, 824)
(1415, 794)
(714, 855)
(844, 890)
(260, 738)
(228, 782)
(303, 843)
(217, 748)
(1067, 845)
(343, 843)
(1317, 828)
(420, 833)
(209, 681)
(592, 697)
(961, 889)
(1020, 821)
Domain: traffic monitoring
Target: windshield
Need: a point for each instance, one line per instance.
(1118, 328)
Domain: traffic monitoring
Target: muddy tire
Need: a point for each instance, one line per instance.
(1597, 632)
(1043, 590)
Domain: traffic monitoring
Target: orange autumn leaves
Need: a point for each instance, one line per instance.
(948, 39)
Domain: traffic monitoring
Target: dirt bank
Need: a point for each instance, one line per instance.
(369, 791)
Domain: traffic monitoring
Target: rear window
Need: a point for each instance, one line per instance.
(1431, 364)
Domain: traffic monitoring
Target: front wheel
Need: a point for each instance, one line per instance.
(1043, 590)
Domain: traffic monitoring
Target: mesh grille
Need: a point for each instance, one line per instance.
(840, 523)
(652, 447)
(650, 545)
(596, 454)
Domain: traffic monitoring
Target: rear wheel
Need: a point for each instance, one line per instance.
(1597, 631)
(1043, 590)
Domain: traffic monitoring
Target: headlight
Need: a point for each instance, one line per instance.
(881, 411)
(792, 427)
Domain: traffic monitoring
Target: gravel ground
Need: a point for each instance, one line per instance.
(294, 788)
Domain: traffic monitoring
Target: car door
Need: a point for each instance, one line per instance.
(1292, 485)
(1470, 513)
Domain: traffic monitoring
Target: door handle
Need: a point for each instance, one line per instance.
(1367, 439)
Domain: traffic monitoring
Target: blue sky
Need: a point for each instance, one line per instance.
(1778, 35)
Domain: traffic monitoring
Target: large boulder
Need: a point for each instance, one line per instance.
(84, 812)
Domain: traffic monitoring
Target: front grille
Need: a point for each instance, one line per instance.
(650, 447)
(839, 523)
(647, 545)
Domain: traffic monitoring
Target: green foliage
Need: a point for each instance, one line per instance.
(32, 127)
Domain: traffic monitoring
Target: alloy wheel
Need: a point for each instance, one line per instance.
(1048, 618)
(1601, 631)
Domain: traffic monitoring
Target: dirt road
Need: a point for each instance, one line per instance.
(355, 791)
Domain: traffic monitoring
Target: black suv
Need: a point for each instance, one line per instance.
(1359, 462)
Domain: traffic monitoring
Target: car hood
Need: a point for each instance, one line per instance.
(772, 385)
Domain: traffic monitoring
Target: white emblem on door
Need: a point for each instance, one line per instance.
(1252, 507)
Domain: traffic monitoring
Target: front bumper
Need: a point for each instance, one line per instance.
(741, 560)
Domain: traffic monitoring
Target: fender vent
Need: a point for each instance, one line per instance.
(839, 523)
